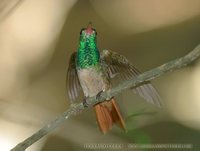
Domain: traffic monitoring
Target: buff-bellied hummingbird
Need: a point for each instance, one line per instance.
(91, 71)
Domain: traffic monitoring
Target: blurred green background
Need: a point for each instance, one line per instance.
(37, 39)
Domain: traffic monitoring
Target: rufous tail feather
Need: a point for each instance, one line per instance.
(107, 114)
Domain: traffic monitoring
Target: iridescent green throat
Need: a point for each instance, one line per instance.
(88, 53)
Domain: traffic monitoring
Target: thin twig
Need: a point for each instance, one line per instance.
(146, 76)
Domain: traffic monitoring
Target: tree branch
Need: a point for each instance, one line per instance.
(146, 76)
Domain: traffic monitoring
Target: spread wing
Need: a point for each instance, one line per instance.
(118, 65)
(73, 84)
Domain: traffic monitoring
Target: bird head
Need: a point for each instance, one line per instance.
(88, 32)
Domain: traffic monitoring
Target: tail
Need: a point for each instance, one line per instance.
(107, 114)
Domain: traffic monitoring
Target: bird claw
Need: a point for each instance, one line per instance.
(98, 96)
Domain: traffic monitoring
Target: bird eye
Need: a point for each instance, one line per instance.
(95, 31)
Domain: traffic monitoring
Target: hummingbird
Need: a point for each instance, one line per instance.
(90, 71)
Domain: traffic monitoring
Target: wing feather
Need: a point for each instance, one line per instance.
(73, 84)
(118, 65)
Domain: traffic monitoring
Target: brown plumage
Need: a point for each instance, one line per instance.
(107, 114)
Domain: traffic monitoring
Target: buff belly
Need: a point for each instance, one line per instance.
(92, 81)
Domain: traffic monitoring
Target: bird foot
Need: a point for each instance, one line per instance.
(98, 96)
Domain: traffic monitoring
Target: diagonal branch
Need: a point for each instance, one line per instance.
(146, 76)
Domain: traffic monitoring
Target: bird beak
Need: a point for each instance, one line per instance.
(89, 29)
